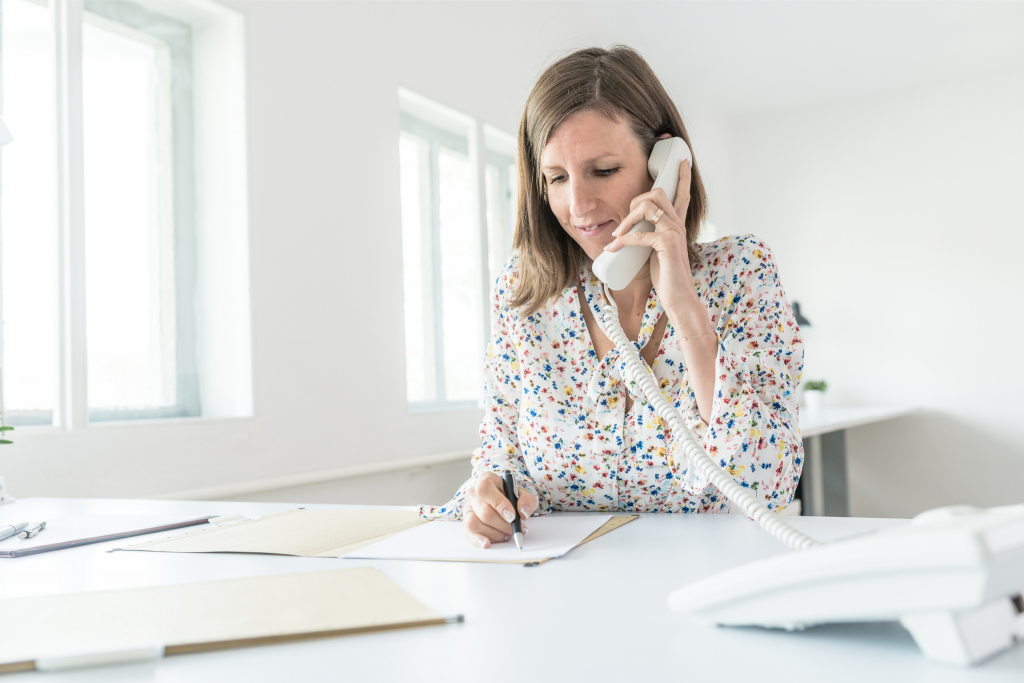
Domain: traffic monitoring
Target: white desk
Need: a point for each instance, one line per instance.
(835, 418)
(823, 486)
(598, 614)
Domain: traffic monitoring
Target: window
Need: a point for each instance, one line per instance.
(28, 214)
(108, 312)
(139, 227)
(450, 256)
(500, 185)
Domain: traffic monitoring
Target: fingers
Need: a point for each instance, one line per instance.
(487, 518)
(660, 198)
(490, 489)
(657, 196)
(682, 202)
(664, 242)
(646, 209)
(487, 500)
(481, 535)
(527, 504)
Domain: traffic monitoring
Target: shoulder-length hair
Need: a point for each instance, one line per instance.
(619, 84)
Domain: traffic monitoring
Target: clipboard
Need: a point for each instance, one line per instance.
(50, 547)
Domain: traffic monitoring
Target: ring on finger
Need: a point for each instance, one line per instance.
(657, 216)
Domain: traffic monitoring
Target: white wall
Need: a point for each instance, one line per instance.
(326, 293)
(898, 223)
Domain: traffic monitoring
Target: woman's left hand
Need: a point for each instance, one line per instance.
(670, 263)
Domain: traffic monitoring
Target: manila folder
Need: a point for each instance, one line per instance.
(306, 533)
(205, 616)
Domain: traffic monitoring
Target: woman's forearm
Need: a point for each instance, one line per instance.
(700, 350)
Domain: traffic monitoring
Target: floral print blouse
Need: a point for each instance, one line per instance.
(554, 413)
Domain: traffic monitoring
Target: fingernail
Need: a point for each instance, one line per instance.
(689, 164)
(508, 514)
(507, 537)
(525, 530)
(482, 543)
(615, 232)
(606, 248)
(526, 511)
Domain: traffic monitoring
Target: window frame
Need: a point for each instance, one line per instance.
(505, 166)
(179, 141)
(435, 139)
(476, 146)
(214, 319)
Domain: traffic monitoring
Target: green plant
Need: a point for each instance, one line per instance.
(6, 429)
(816, 385)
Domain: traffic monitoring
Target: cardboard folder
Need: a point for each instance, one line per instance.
(304, 533)
(211, 615)
(316, 533)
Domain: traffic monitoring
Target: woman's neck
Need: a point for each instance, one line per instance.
(634, 296)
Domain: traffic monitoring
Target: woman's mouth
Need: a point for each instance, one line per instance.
(594, 228)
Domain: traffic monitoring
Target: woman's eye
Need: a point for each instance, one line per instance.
(599, 172)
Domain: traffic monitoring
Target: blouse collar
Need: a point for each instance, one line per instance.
(610, 370)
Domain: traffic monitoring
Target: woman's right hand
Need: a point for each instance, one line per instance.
(489, 516)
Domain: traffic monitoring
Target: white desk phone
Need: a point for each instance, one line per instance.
(953, 576)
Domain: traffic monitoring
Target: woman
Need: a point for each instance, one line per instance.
(711, 319)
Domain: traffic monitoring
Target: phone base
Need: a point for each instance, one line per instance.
(969, 636)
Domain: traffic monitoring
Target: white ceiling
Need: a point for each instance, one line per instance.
(749, 57)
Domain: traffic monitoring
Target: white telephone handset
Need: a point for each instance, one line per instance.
(954, 578)
(617, 269)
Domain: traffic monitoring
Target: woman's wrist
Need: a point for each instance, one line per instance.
(691, 318)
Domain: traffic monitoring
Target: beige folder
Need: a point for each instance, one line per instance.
(203, 616)
(611, 525)
(314, 533)
(305, 533)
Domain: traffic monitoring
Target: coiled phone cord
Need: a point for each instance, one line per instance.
(685, 440)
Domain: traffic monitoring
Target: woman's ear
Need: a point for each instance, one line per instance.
(665, 136)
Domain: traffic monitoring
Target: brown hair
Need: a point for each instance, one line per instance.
(619, 84)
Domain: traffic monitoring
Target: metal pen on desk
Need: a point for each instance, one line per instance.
(512, 493)
(12, 530)
(31, 531)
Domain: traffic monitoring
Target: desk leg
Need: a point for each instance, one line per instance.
(814, 472)
(824, 488)
(833, 474)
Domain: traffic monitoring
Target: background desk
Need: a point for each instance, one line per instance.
(597, 614)
(824, 487)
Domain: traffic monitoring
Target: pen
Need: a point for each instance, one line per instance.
(13, 529)
(512, 493)
(31, 531)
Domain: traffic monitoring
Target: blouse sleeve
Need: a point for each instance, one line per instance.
(499, 442)
(754, 429)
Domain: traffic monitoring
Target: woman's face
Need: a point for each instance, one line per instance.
(593, 167)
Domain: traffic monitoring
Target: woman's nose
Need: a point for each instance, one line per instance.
(582, 199)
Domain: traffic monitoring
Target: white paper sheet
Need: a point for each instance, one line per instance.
(550, 536)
